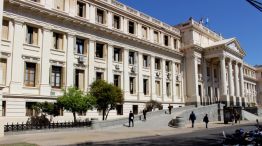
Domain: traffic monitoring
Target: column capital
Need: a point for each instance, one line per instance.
(222, 57)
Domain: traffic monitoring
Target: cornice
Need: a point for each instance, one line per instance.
(86, 23)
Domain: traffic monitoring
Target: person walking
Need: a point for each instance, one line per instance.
(144, 114)
(169, 109)
(192, 118)
(206, 120)
(131, 118)
(233, 118)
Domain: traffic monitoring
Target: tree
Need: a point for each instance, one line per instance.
(107, 96)
(152, 104)
(47, 108)
(75, 101)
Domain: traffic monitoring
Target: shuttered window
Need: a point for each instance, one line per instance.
(56, 77)
(2, 71)
(5, 29)
(32, 35)
(80, 79)
(58, 41)
(30, 74)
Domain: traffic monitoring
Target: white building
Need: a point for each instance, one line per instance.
(48, 45)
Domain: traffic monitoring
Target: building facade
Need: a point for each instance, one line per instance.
(48, 45)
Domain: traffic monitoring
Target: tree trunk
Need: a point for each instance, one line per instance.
(107, 113)
(104, 114)
(74, 114)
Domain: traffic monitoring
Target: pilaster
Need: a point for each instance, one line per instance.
(18, 64)
(70, 60)
(174, 78)
(91, 61)
(45, 87)
(110, 63)
(153, 84)
(126, 72)
(140, 76)
(164, 96)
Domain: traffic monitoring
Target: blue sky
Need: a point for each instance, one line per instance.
(231, 18)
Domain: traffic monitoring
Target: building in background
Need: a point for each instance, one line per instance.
(48, 45)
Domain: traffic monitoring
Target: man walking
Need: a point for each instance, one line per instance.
(192, 117)
(206, 120)
(169, 109)
(144, 114)
(131, 118)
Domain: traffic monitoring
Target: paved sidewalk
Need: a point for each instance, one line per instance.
(109, 134)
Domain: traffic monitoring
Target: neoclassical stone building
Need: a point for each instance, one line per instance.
(48, 45)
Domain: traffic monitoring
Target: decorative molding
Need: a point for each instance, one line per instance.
(30, 58)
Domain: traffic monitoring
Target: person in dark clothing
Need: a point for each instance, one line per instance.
(131, 118)
(144, 114)
(169, 108)
(206, 120)
(192, 118)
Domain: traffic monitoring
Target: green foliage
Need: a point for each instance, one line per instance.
(152, 104)
(75, 101)
(107, 96)
(47, 108)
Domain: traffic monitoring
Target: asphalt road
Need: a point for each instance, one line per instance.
(206, 137)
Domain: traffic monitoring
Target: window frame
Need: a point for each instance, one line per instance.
(29, 72)
(56, 70)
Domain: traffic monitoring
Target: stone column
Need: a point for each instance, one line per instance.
(110, 50)
(231, 82)
(205, 82)
(91, 61)
(236, 79)
(70, 60)
(164, 96)
(126, 72)
(140, 76)
(17, 62)
(45, 87)
(153, 84)
(223, 84)
(109, 20)
(241, 81)
(174, 78)
(1, 120)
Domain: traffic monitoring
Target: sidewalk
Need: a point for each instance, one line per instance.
(116, 133)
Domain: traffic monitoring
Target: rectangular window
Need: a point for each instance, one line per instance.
(177, 90)
(117, 80)
(81, 9)
(215, 73)
(166, 41)
(5, 29)
(144, 32)
(208, 71)
(168, 66)
(99, 50)
(3, 108)
(131, 58)
(156, 37)
(177, 68)
(30, 111)
(80, 79)
(32, 35)
(80, 46)
(56, 79)
(158, 88)
(157, 64)
(100, 18)
(30, 74)
(131, 27)
(58, 41)
(135, 109)
(132, 85)
(59, 4)
(168, 89)
(99, 76)
(146, 86)
(116, 22)
(175, 43)
(119, 109)
(3, 71)
(145, 61)
(117, 55)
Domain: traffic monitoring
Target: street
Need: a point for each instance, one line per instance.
(207, 137)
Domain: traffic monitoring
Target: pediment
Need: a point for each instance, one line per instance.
(234, 46)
